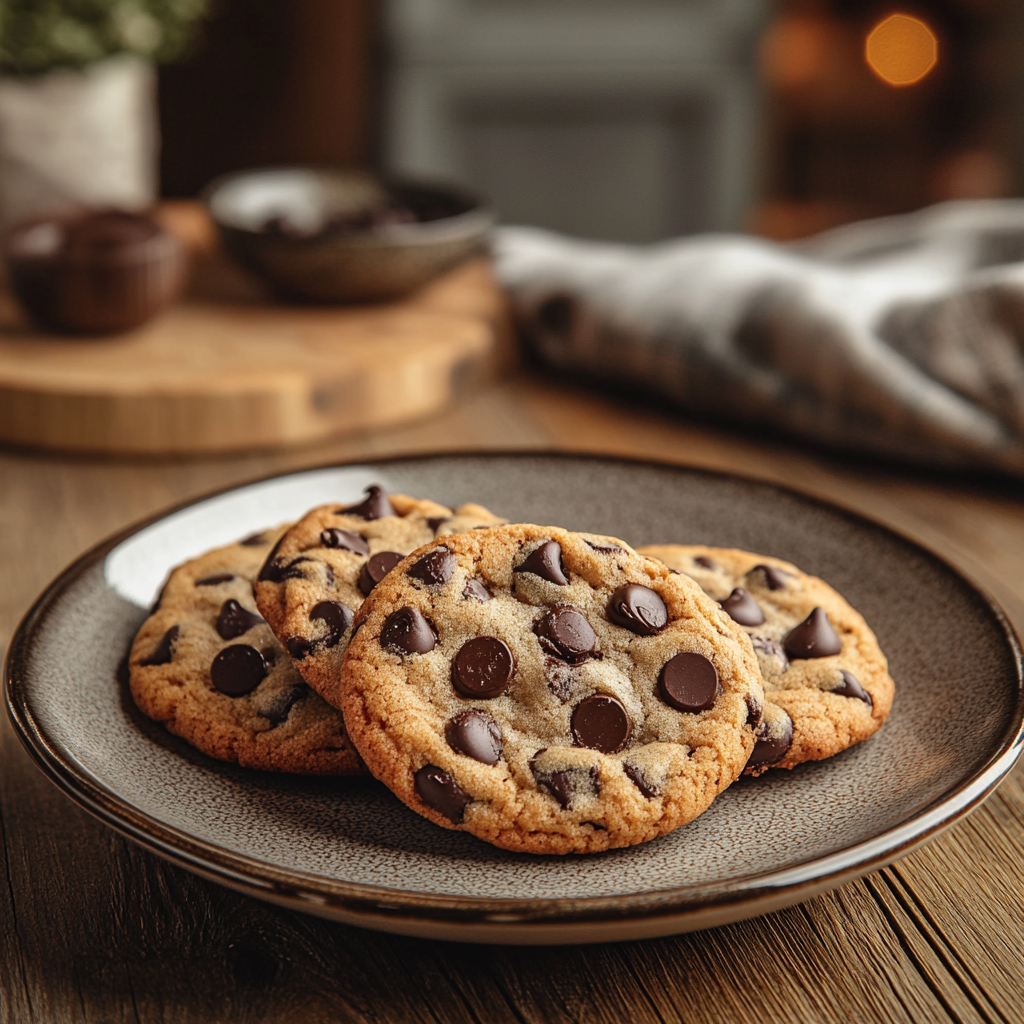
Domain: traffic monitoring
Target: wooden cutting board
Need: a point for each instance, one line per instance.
(228, 369)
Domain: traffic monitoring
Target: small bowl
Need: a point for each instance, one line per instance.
(98, 272)
(344, 236)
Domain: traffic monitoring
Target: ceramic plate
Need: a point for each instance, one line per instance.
(348, 850)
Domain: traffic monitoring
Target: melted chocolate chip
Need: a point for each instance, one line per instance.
(813, 638)
(328, 574)
(215, 581)
(374, 506)
(477, 590)
(234, 620)
(605, 549)
(275, 571)
(769, 750)
(238, 670)
(850, 687)
(560, 679)
(639, 779)
(254, 540)
(564, 785)
(754, 711)
(601, 723)
(742, 608)
(164, 650)
(376, 568)
(278, 708)
(475, 734)
(407, 632)
(336, 616)
(436, 522)
(346, 540)
(546, 562)
(483, 668)
(298, 647)
(565, 633)
(688, 682)
(706, 563)
(441, 793)
(774, 578)
(638, 609)
(433, 568)
(772, 649)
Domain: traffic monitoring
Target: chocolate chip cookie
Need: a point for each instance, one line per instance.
(547, 691)
(826, 680)
(208, 667)
(318, 574)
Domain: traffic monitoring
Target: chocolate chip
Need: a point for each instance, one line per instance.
(328, 574)
(376, 568)
(275, 571)
(601, 723)
(638, 609)
(564, 785)
(254, 540)
(754, 711)
(771, 649)
(434, 567)
(215, 581)
(706, 563)
(605, 549)
(770, 750)
(346, 540)
(436, 522)
(234, 620)
(336, 616)
(483, 668)
(475, 589)
(164, 650)
(560, 678)
(742, 608)
(441, 793)
(546, 562)
(374, 506)
(639, 779)
(298, 647)
(565, 633)
(813, 638)
(278, 706)
(688, 682)
(407, 632)
(850, 687)
(475, 734)
(774, 578)
(238, 670)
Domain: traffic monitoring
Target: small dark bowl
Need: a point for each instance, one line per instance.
(343, 236)
(94, 273)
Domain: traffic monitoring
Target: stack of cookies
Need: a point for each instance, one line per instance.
(546, 691)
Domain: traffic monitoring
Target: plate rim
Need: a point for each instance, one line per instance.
(488, 919)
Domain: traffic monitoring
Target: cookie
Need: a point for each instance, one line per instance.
(547, 691)
(208, 667)
(320, 571)
(826, 680)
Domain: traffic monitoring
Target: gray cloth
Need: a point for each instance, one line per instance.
(901, 336)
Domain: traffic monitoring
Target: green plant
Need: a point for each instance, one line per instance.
(40, 35)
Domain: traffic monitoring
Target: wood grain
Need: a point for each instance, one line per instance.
(93, 928)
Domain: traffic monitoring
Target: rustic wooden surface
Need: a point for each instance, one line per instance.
(93, 928)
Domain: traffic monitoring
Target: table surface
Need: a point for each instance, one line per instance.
(94, 928)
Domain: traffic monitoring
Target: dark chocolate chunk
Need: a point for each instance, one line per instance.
(688, 682)
(238, 670)
(705, 562)
(164, 650)
(774, 578)
(639, 779)
(476, 589)
(638, 609)
(299, 647)
(813, 638)
(336, 616)
(754, 711)
(374, 506)
(436, 522)
(407, 632)
(475, 734)
(433, 568)
(376, 568)
(742, 608)
(605, 549)
(214, 581)
(773, 649)
(278, 708)
(234, 620)
(254, 540)
(850, 687)
(483, 668)
(441, 793)
(565, 633)
(564, 785)
(546, 562)
(771, 750)
(346, 540)
(601, 723)
(560, 678)
(275, 571)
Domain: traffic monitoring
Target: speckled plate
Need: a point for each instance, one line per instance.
(348, 850)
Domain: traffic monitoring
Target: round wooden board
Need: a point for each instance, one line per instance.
(229, 369)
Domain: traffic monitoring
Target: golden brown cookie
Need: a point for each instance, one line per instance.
(547, 691)
(826, 680)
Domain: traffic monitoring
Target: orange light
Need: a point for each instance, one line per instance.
(901, 50)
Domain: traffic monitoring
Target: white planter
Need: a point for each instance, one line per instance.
(77, 138)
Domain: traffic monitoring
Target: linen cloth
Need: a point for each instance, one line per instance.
(901, 336)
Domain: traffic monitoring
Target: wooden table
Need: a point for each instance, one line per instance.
(94, 928)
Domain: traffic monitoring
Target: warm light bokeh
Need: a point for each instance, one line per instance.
(901, 50)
